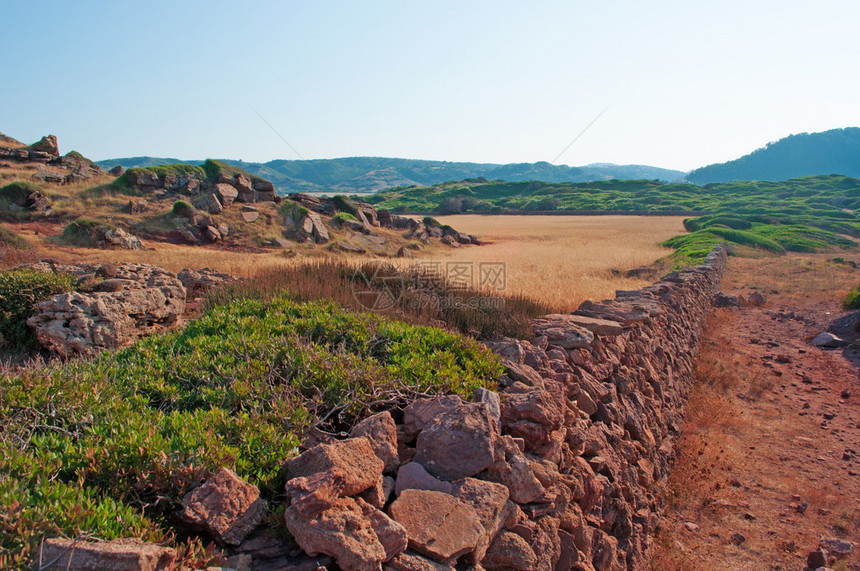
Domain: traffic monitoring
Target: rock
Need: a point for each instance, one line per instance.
(225, 506)
(509, 551)
(355, 457)
(603, 327)
(316, 493)
(341, 246)
(490, 501)
(312, 227)
(119, 238)
(837, 547)
(250, 216)
(437, 525)
(226, 194)
(75, 323)
(829, 340)
(211, 234)
(561, 331)
(404, 252)
(532, 415)
(47, 144)
(458, 443)
(513, 470)
(413, 476)
(245, 193)
(723, 300)
(381, 432)
(407, 561)
(117, 171)
(209, 203)
(492, 400)
(756, 299)
(143, 179)
(816, 559)
(737, 538)
(421, 412)
(118, 555)
(358, 536)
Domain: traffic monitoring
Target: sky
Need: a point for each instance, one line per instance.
(674, 84)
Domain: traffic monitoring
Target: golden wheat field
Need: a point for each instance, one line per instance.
(564, 260)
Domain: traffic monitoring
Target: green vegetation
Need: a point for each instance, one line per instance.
(109, 447)
(852, 300)
(341, 217)
(182, 208)
(809, 214)
(18, 191)
(215, 169)
(293, 212)
(804, 154)
(84, 232)
(20, 290)
(344, 204)
(78, 157)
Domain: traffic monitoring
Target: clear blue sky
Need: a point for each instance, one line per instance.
(683, 83)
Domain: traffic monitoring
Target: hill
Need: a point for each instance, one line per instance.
(804, 154)
(352, 175)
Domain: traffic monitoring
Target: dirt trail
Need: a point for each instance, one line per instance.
(769, 463)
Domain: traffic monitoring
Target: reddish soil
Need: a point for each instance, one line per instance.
(769, 462)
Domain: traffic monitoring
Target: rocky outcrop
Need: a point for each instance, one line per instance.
(137, 300)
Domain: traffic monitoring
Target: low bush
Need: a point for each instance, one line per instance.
(135, 430)
(341, 217)
(20, 290)
(344, 204)
(292, 211)
(84, 232)
(852, 300)
(16, 192)
(182, 208)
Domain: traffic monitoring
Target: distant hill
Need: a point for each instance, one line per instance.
(371, 174)
(807, 154)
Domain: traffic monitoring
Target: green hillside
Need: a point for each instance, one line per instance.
(805, 154)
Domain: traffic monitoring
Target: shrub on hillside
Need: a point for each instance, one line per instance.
(293, 212)
(344, 204)
(18, 191)
(20, 290)
(84, 232)
(183, 208)
(852, 300)
(341, 217)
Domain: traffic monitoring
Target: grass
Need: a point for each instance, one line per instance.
(399, 292)
(20, 290)
(341, 217)
(108, 447)
(570, 258)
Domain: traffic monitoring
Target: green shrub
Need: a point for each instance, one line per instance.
(431, 222)
(852, 300)
(344, 204)
(20, 290)
(84, 232)
(293, 212)
(109, 446)
(214, 169)
(341, 217)
(18, 191)
(9, 239)
(182, 208)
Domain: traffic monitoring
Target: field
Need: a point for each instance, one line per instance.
(563, 260)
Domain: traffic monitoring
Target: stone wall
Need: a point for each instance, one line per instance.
(560, 470)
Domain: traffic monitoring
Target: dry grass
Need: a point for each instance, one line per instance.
(564, 260)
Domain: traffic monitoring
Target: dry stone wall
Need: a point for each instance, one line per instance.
(560, 470)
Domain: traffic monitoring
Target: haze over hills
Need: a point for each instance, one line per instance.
(836, 151)
(371, 174)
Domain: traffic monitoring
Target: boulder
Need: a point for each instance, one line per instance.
(143, 178)
(118, 170)
(355, 458)
(407, 561)
(76, 323)
(459, 442)
(413, 476)
(421, 412)
(245, 193)
(47, 144)
(561, 331)
(209, 203)
(316, 493)
(119, 238)
(226, 194)
(532, 415)
(58, 554)
(438, 525)
(358, 536)
(513, 470)
(311, 227)
(603, 327)
(225, 506)
(828, 340)
(490, 501)
(198, 282)
(381, 432)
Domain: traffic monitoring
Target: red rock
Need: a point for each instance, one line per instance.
(354, 457)
(421, 412)
(411, 562)
(226, 194)
(358, 536)
(413, 476)
(225, 506)
(509, 551)
(490, 501)
(438, 525)
(118, 555)
(315, 493)
(381, 432)
(458, 443)
(512, 469)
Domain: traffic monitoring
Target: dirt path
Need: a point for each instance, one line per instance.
(769, 463)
